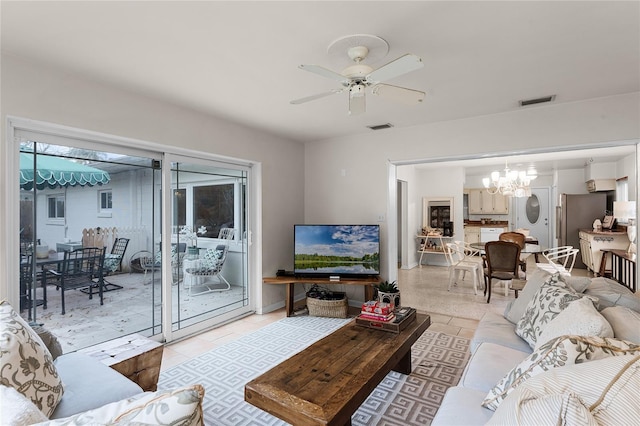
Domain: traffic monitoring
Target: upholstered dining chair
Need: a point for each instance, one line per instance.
(520, 239)
(459, 261)
(502, 261)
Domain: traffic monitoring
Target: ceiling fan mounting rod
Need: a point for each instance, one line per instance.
(358, 53)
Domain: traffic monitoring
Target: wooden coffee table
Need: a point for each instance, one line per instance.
(327, 382)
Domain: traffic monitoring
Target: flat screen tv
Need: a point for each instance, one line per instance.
(337, 250)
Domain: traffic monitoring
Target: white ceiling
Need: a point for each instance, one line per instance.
(239, 60)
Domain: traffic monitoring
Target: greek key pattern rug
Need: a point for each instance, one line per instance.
(437, 359)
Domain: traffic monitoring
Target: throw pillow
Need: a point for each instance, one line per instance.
(624, 321)
(25, 362)
(579, 318)
(182, 406)
(560, 352)
(603, 392)
(17, 409)
(519, 305)
(551, 299)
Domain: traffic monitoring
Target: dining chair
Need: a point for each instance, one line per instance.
(459, 261)
(502, 261)
(80, 269)
(520, 239)
(559, 260)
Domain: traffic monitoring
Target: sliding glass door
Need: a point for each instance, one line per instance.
(209, 264)
(173, 229)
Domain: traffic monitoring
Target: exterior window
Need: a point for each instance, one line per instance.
(213, 207)
(105, 201)
(55, 206)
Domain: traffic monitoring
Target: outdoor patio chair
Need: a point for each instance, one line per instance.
(150, 263)
(210, 266)
(113, 261)
(80, 269)
(26, 285)
(502, 260)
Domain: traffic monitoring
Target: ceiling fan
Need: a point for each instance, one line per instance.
(356, 78)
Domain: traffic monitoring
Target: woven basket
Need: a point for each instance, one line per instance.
(327, 308)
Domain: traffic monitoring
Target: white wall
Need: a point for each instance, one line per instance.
(39, 93)
(362, 193)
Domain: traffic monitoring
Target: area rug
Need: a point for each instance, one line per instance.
(438, 361)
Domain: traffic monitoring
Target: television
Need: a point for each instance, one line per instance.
(336, 250)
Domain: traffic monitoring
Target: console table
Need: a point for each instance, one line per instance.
(290, 283)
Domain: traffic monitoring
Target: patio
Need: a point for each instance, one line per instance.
(125, 311)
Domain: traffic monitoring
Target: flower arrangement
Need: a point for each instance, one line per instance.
(191, 235)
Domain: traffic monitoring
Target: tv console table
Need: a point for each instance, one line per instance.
(290, 282)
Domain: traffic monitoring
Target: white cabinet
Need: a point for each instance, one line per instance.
(481, 202)
(472, 234)
(475, 201)
(592, 244)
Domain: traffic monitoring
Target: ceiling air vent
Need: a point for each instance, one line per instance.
(537, 100)
(381, 126)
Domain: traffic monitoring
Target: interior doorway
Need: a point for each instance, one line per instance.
(533, 213)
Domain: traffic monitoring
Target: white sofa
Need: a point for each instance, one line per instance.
(38, 385)
(496, 349)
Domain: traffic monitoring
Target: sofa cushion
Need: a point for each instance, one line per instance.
(488, 364)
(579, 284)
(88, 384)
(17, 409)
(461, 406)
(624, 321)
(608, 292)
(603, 392)
(494, 328)
(181, 406)
(580, 318)
(551, 299)
(563, 351)
(25, 362)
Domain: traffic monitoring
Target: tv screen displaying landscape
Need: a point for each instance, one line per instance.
(345, 250)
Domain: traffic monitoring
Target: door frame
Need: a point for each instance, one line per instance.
(57, 133)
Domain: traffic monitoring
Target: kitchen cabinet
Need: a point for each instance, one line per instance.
(472, 234)
(592, 244)
(481, 202)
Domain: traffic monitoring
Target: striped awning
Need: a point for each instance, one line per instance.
(54, 172)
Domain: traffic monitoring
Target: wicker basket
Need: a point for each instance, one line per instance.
(328, 308)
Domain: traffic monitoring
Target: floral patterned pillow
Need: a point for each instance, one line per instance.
(564, 350)
(25, 362)
(551, 299)
(180, 407)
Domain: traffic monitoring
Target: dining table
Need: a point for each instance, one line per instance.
(534, 249)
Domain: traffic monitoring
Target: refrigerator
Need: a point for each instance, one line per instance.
(575, 212)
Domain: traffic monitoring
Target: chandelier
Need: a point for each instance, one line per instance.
(513, 183)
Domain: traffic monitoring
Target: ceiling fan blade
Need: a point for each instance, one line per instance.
(314, 97)
(402, 65)
(316, 69)
(398, 94)
(356, 104)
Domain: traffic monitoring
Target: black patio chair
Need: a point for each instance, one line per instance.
(113, 262)
(81, 268)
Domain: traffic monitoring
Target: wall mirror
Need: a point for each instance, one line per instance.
(437, 213)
